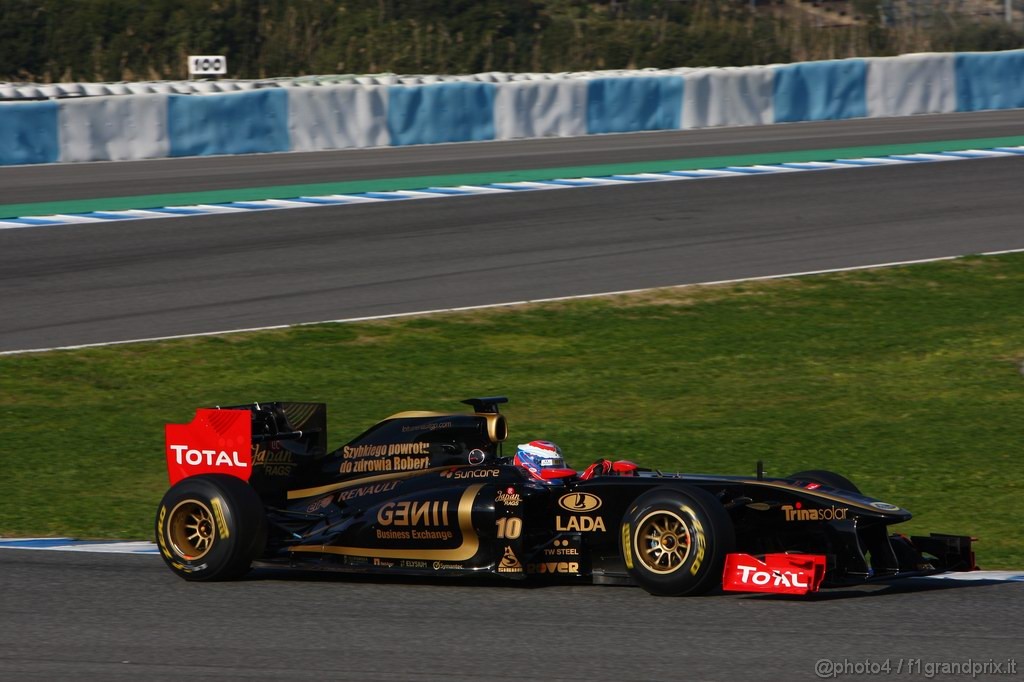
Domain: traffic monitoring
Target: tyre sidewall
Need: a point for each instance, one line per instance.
(238, 528)
(711, 538)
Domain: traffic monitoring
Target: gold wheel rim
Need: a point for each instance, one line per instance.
(191, 529)
(662, 541)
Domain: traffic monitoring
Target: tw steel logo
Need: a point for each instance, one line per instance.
(579, 503)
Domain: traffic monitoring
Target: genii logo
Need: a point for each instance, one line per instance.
(579, 503)
(215, 442)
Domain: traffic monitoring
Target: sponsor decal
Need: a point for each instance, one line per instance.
(385, 450)
(885, 506)
(442, 566)
(383, 562)
(214, 442)
(455, 473)
(509, 562)
(579, 502)
(360, 466)
(698, 535)
(410, 563)
(476, 456)
(370, 489)
(812, 486)
(508, 497)
(218, 515)
(778, 573)
(627, 552)
(429, 426)
(579, 523)
(322, 503)
(276, 462)
(561, 548)
(796, 512)
(160, 532)
(554, 567)
(183, 454)
(384, 457)
(426, 514)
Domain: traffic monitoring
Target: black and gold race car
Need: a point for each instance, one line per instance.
(429, 493)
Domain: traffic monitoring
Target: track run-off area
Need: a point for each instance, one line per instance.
(94, 615)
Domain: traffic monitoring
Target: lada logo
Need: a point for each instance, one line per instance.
(579, 502)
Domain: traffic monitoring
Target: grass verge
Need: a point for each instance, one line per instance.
(907, 380)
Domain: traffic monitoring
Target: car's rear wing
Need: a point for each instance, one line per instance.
(256, 442)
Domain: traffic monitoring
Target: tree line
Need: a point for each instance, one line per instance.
(110, 40)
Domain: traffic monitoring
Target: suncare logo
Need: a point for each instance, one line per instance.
(752, 575)
(796, 513)
(579, 502)
(471, 473)
(213, 458)
(579, 523)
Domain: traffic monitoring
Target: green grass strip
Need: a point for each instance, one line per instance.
(907, 380)
(419, 182)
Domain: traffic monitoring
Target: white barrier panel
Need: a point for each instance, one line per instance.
(553, 108)
(728, 97)
(911, 84)
(113, 128)
(338, 117)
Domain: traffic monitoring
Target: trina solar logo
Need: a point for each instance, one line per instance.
(797, 513)
(184, 455)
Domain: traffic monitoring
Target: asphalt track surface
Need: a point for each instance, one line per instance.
(98, 283)
(120, 617)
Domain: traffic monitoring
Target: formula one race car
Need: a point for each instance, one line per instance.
(428, 493)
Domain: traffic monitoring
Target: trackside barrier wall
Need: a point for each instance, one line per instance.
(395, 111)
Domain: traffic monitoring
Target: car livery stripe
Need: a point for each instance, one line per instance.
(379, 196)
(363, 480)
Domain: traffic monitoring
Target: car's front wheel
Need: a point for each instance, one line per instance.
(210, 527)
(674, 541)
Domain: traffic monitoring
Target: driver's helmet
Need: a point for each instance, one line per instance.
(543, 459)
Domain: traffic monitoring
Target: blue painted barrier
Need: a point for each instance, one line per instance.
(29, 133)
(820, 91)
(443, 112)
(236, 123)
(626, 105)
(990, 80)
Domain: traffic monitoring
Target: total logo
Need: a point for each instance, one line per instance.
(752, 575)
(213, 458)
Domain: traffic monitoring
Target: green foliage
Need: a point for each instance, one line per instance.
(97, 40)
(907, 380)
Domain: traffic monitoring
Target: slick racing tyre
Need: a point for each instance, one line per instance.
(831, 479)
(210, 527)
(674, 541)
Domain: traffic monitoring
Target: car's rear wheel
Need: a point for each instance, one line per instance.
(829, 478)
(210, 527)
(674, 541)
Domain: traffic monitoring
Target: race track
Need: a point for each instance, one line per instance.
(117, 617)
(105, 282)
(126, 617)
